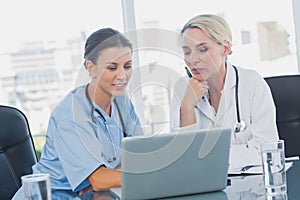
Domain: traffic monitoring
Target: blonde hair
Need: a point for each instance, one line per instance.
(213, 26)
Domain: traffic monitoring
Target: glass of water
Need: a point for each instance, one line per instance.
(36, 187)
(273, 159)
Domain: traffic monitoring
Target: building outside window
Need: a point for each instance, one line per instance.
(41, 51)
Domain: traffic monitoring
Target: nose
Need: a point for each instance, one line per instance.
(121, 74)
(194, 58)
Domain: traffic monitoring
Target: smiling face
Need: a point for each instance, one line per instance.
(112, 71)
(203, 55)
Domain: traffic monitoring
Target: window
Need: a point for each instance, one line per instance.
(41, 50)
(263, 40)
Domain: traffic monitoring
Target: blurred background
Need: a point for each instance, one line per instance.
(42, 43)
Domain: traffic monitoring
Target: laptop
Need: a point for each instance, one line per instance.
(174, 164)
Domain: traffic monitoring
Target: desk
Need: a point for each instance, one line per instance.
(242, 187)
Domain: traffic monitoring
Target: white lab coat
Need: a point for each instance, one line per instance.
(256, 106)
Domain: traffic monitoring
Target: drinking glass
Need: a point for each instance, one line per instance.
(36, 187)
(273, 159)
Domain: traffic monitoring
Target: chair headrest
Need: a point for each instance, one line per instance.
(13, 127)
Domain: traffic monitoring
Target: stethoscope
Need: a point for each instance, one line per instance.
(239, 125)
(114, 157)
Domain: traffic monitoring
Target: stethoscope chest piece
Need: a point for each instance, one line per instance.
(239, 126)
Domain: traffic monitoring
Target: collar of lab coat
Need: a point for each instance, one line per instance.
(226, 97)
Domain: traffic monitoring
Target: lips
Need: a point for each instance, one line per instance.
(120, 86)
(197, 70)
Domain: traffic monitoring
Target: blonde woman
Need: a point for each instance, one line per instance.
(219, 94)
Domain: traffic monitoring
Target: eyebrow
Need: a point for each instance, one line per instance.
(201, 44)
(198, 45)
(109, 63)
(114, 63)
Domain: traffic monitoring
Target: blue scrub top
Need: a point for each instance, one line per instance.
(76, 146)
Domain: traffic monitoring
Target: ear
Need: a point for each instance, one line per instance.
(227, 48)
(91, 68)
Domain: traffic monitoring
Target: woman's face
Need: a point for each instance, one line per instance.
(113, 70)
(202, 55)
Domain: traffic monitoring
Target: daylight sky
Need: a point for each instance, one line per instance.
(23, 20)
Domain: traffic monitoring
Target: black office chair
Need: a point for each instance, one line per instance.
(17, 152)
(286, 95)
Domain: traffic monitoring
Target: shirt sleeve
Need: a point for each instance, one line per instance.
(178, 94)
(78, 163)
(133, 125)
(263, 115)
(174, 114)
(262, 126)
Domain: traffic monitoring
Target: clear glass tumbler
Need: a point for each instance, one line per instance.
(273, 159)
(36, 187)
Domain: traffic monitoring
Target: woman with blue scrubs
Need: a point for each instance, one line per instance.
(83, 141)
(219, 94)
